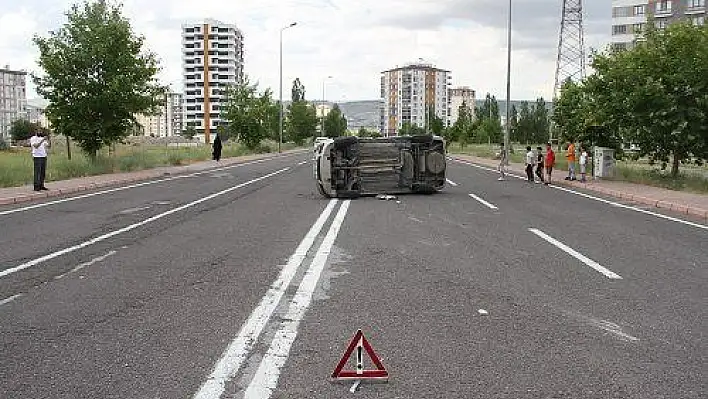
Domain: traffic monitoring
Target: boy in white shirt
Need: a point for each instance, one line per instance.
(583, 163)
(39, 143)
(530, 160)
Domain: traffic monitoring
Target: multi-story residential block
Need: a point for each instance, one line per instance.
(459, 96)
(408, 91)
(36, 113)
(212, 59)
(13, 99)
(629, 17)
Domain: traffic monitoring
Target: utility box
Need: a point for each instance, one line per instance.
(604, 162)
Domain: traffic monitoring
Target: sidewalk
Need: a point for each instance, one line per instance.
(677, 201)
(14, 195)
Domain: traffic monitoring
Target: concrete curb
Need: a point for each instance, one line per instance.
(146, 175)
(653, 202)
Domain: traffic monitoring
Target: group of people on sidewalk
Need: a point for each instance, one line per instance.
(544, 163)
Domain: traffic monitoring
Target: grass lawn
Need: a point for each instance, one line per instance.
(691, 178)
(16, 167)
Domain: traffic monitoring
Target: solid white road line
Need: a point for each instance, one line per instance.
(237, 352)
(266, 377)
(485, 203)
(116, 189)
(608, 273)
(133, 226)
(10, 299)
(452, 183)
(588, 196)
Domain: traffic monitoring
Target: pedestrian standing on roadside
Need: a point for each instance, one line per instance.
(570, 156)
(539, 167)
(549, 162)
(39, 143)
(529, 164)
(503, 162)
(583, 163)
(217, 148)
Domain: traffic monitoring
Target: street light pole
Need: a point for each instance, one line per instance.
(280, 140)
(508, 86)
(322, 132)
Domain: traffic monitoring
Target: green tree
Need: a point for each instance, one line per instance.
(526, 123)
(541, 123)
(189, 132)
(408, 129)
(463, 128)
(248, 112)
(97, 76)
(22, 129)
(664, 107)
(335, 124)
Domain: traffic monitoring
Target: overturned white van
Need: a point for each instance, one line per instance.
(349, 167)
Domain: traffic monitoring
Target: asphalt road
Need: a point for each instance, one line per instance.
(245, 283)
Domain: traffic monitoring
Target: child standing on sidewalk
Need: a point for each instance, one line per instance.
(550, 162)
(529, 164)
(583, 162)
(503, 162)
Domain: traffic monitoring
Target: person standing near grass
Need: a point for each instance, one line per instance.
(583, 163)
(570, 156)
(549, 162)
(539, 166)
(529, 164)
(39, 143)
(503, 162)
(216, 154)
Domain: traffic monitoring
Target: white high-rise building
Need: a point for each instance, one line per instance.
(458, 96)
(175, 114)
(13, 99)
(406, 93)
(629, 17)
(212, 59)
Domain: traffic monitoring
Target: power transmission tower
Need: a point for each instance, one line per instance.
(571, 46)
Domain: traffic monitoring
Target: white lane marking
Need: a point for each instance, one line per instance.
(86, 264)
(659, 215)
(608, 273)
(485, 203)
(265, 380)
(10, 299)
(134, 210)
(302, 163)
(133, 226)
(237, 352)
(147, 183)
(355, 386)
(588, 196)
(452, 183)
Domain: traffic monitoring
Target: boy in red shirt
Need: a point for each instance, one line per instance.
(550, 161)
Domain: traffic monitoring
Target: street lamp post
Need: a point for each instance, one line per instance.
(280, 140)
(323, 104)
(508, 86)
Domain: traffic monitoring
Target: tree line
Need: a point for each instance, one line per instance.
(654, 96)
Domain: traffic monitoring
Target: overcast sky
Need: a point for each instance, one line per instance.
(352, 40)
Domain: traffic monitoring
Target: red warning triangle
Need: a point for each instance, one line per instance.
(359, 343)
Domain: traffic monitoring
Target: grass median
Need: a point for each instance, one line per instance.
(691, 178)
(16, 167)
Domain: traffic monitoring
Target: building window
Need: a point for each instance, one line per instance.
(663, 6)
(661, 24)
(639, 10)
(619, 30)
(699, 20)
(695, 3)
(638, 28)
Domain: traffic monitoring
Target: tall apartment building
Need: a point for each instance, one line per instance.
(458, 96)
(167, 121)
(13, 99)
(629, 17)
(212, 59)
(408, 91)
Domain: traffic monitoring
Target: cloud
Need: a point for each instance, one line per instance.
(351, 40)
